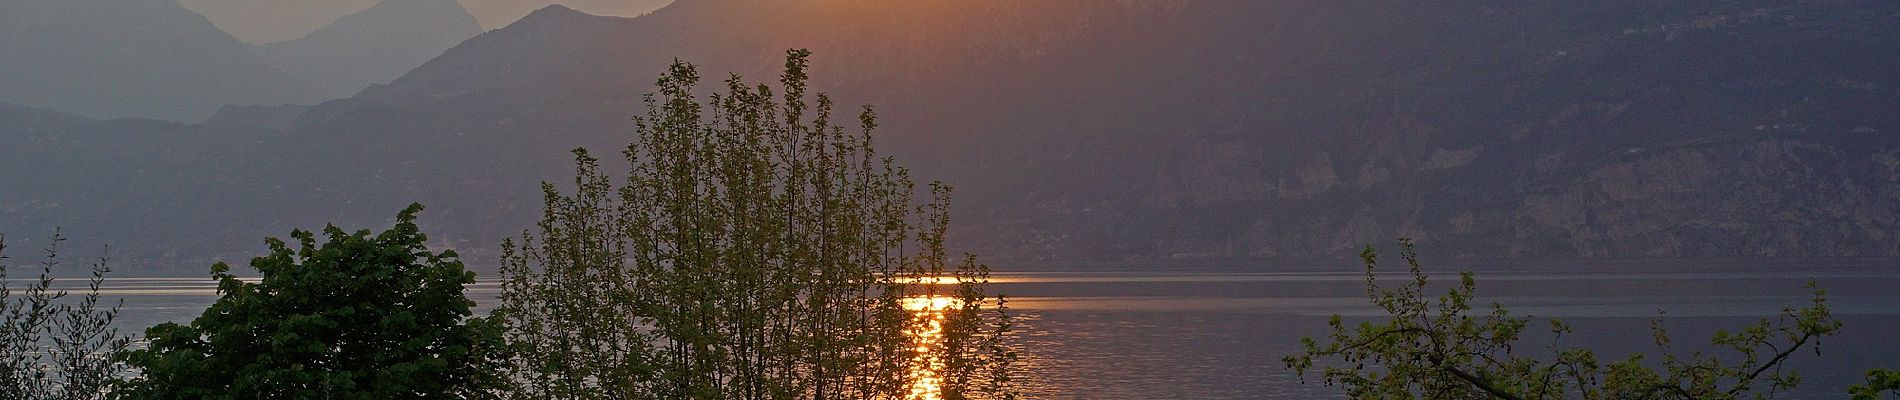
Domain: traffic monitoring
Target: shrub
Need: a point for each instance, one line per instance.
(1437, 349)
(359, 316)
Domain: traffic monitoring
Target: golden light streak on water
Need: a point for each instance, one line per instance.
(926, 375)
(932, 280)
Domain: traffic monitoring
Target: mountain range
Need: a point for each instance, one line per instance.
(156, 59)
(138, 58)
(270, 21)
(373, 46)
(1085, 132)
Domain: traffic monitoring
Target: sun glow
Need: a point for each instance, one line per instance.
(933, 280)
(926, 379)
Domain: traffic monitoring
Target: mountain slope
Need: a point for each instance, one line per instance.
(1157, 131)
(271, 21)
(1088, 132)
(499, 13)
(144, 58)
(373, 46)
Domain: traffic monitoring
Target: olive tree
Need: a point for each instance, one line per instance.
(53, 346)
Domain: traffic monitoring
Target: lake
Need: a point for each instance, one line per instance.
(1134, 334)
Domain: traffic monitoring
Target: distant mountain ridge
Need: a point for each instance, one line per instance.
(140, 58)
(1153, 132)
(496, 14)
(373, 46)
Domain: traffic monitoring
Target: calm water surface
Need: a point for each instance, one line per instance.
(1220, 335)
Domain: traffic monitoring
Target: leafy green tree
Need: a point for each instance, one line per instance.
(1878, 381)
(755, 250)
(1438, 349)
(359, 316)
(52, 347)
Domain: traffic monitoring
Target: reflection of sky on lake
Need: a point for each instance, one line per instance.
(1132, 335)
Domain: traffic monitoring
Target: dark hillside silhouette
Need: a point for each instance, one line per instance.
(1083, 132)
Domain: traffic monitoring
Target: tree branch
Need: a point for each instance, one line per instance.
(1481, 384)
(1376, 338)
(1779, 357)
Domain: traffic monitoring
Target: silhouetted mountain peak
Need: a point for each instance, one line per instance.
(524, 56)
(374, 46)
(558, 17)
(554, 12)
(432, 9)
(435, 4)
(148, 58)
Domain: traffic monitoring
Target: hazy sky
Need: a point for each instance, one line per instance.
(265, 21)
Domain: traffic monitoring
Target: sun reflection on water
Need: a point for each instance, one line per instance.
(926, 379)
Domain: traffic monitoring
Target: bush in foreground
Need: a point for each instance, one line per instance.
(359, 316)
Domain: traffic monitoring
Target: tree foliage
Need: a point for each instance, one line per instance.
(53, 347)
(1879, 381)
(359, 316)
(1439, 349)
(755, 250)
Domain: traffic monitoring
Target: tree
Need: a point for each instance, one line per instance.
(1438, 349)
(52, 347)
(1878, 381)
(756, 250)
(360, 316)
